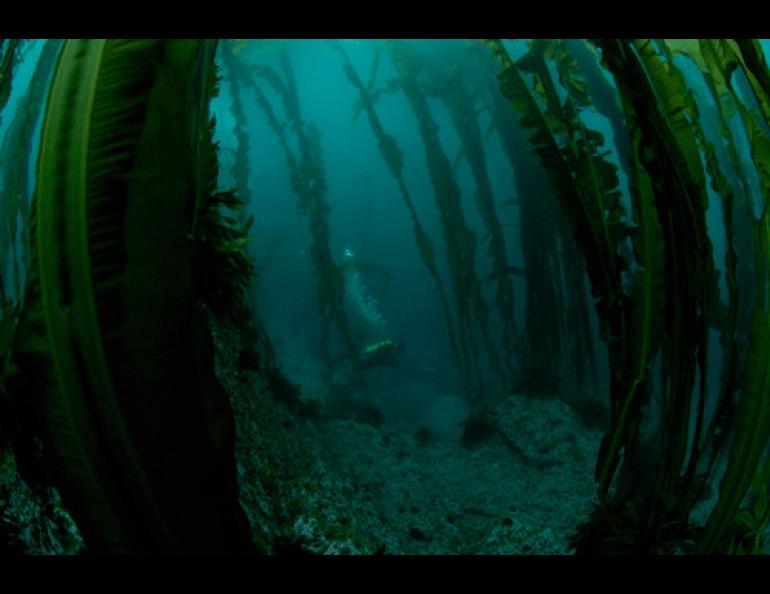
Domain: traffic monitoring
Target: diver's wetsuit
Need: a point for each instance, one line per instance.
(385, 352)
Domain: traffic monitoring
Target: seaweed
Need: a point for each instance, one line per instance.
(662, 479)
(308, 182)
(602, 95)
(540, 234)
(584, 183)
(110, 307)
(241, 170)
(752, 425)
(665, 162)
(452, 84)
(394, 159)
(459, 239)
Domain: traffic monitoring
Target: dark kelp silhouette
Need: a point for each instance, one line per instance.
(129, 234)
(394, 159)
(646, 499)
(308, 182)
(136, 442)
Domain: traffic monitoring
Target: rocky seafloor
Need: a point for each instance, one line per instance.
(353, 486)
(346, 486)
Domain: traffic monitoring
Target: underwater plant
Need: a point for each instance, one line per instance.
(307, 177)
(451, 83)
(459, 239)
(551, 261)
(394, 159)
(659, 479)
(241, 170)
(139, 273)
(111, 305)
(649, 480)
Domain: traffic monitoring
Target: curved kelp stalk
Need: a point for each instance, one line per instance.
(752, 414)
(543, 333)
(669, 185)
(749, 417)
(394, 159)
(115, 359)
(308, 182)
(585, 185)
(241, 170)
(451, 85)
(460, 240)
(724, 317)
(716, 62)
(690, 273)
(594, 174)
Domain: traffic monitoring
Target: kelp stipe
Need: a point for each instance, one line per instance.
(584, 184)
(394, 159)
(241, 170)
(460, 241)
(451, 83)
(109, 329)
(542, 334)
(646, 501)
(632, 322)
(308, 182)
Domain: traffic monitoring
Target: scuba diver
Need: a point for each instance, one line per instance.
(383, 352)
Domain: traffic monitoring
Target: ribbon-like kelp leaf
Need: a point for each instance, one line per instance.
(752, 59)
(716, 64)
(544, 332)
(718, 59)
(603, 97)
(720, 184)
(586, 186)
(646, 309)
(140, 448)
(668, 151)
(691, 305)
(752, 431)
(656, 98)
(706, 55)
(583, 196)
(584, 183)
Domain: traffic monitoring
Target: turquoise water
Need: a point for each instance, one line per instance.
(442, 377)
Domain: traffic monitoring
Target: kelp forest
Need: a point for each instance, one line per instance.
(385, 296)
